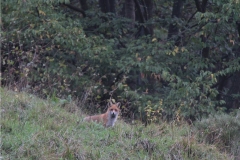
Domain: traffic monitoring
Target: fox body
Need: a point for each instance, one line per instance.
(109, 118)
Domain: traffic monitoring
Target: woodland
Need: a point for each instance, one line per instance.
(174, 65)
(161, 59)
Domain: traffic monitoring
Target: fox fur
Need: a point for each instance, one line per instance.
(109, 118)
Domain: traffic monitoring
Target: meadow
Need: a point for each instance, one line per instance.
(53, 129)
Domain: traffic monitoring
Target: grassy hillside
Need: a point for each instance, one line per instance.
(32, 128)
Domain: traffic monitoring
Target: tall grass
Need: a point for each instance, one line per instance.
(223, 131)
(32, 128)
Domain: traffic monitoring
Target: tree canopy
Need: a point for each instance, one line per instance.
(159, 58)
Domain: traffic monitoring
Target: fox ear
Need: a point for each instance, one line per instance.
(118, 104)
(109, 104)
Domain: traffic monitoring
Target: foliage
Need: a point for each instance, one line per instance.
(33, 128)
(50, 49)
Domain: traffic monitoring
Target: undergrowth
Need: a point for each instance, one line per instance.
(33, 128)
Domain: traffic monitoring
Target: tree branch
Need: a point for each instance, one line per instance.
(75, 9)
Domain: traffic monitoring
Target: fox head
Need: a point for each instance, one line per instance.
(113, 110)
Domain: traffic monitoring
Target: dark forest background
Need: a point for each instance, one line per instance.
(161, 59)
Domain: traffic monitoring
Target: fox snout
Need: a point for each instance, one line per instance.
(113, 115)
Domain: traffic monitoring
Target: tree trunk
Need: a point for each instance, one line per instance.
(83, 4)
(112, 4)
(238, 29)
(130, 11)
(176, 12)
(149, 5)
(143, 12)
(104, 5)
(107, 5)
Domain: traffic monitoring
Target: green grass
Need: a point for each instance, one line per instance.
(32, 128)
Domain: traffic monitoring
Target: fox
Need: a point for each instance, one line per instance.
(109, 118)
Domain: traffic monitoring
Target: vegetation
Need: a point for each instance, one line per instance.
(168, 62)
(161, 59)
(33, 128)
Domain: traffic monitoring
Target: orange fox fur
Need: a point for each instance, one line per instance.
(109, 118)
